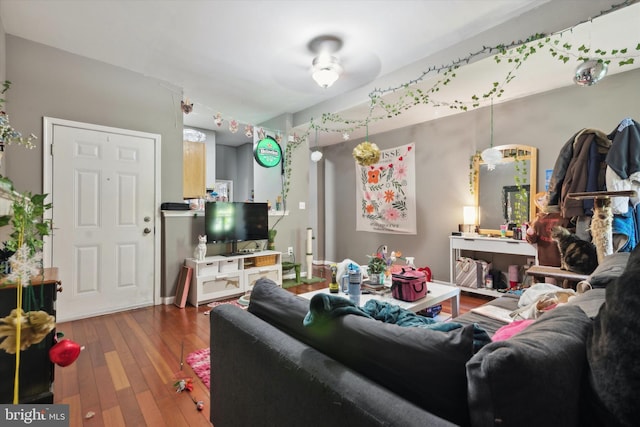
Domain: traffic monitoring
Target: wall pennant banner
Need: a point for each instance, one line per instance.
(386, 193)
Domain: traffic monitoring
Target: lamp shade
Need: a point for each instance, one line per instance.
(491, 157)
(469, 215)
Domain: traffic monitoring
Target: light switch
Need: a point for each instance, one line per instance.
(302, 205)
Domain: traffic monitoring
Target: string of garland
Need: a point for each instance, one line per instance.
(515, 53)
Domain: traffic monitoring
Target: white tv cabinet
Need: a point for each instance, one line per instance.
(486, 244)
(217, 277)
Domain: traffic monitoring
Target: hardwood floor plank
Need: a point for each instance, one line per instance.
(169, 412)
(159, 388)
(107, 392)
(149, 408)
(113, 417)
(118, 376)
(76, 417)
(129, 408)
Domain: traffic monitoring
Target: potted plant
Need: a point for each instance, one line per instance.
(376, 267)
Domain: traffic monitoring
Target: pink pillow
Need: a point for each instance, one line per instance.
(509, 330)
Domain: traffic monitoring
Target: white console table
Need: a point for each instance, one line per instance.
(219, 276)
(487, 244)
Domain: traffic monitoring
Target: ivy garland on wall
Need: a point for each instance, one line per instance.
(515, 53)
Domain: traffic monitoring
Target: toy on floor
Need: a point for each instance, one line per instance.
(185, 382)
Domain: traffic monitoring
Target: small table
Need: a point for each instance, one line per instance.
(437, 292)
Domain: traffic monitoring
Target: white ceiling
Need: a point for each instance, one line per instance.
(249, 60)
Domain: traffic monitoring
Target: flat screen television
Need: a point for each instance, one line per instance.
(233, 222)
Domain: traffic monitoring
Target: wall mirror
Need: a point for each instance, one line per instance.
(495, 190)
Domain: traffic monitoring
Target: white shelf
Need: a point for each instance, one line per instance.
(498, 245)
(219, 276)
(482, 291)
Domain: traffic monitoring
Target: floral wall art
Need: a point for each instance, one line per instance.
(386, 192)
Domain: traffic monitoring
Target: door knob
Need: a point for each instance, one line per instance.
(147, 230)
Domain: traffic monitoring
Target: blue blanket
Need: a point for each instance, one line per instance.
(325, 307)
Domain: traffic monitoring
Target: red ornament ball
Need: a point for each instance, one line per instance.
(65, 352)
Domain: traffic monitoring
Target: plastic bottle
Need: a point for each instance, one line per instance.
(355, 281)
(488, 281)
(333, 285)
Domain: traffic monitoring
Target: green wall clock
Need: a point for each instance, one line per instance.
(268, 152)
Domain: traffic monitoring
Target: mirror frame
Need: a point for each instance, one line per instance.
(509, 154)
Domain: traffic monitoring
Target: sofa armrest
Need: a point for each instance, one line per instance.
(262, 376)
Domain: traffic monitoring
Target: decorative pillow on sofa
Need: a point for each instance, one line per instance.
(613, 351)
(425, 367)
(533, 378)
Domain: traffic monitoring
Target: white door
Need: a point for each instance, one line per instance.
(103, 191)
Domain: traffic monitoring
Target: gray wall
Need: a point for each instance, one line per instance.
(54, 83)
(50, 82)
(443, 149)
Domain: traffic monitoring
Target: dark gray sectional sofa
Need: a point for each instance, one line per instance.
(270, 370)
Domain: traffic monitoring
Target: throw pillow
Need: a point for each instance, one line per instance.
(425, 367)
(533, 378)
(613, 349)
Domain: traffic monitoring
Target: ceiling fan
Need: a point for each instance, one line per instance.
(325, 62)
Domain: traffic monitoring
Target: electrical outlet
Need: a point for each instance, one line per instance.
(290, 250)
(531, 261)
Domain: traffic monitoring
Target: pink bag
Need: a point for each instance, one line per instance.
(409, 284)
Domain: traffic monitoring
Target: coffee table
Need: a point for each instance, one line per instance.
(437, 292)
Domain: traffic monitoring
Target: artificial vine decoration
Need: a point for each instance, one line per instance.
(515, 53)
(474, 161)
(522, 196)
(292, 145)
(8, 135)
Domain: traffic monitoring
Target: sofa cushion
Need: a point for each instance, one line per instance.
(613, 350)
(425, 367)
(609, 269)
(590, 301)
(534, 377)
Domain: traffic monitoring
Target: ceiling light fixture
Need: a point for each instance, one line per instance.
(316, 155)
(326, 70)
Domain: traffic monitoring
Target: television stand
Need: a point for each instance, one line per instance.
(218, 277)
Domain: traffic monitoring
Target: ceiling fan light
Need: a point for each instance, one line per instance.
(326, 70)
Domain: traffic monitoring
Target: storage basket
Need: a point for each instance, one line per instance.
(262, 260)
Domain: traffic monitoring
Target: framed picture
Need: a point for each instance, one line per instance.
(182, 290)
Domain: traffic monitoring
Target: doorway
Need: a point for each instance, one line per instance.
(103, 184)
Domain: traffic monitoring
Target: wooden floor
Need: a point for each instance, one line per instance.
(126, 373)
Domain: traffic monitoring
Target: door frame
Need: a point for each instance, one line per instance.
(47, 177)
